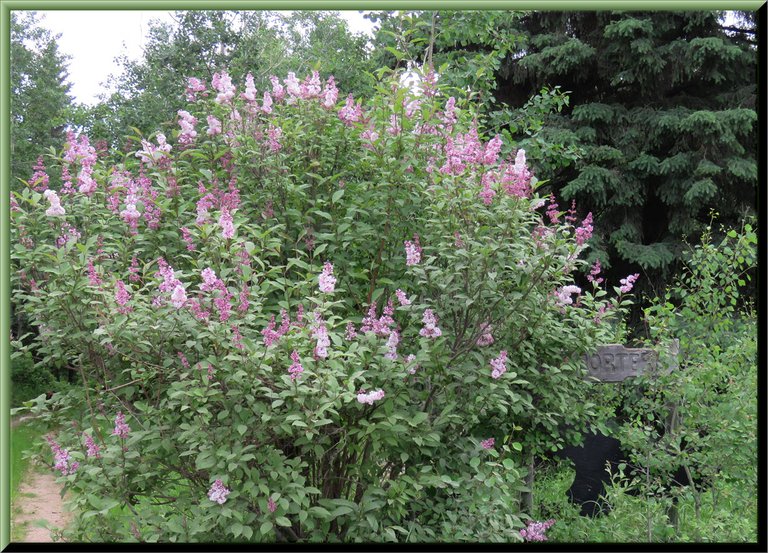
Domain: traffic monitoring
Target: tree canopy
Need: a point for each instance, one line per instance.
(40, 97)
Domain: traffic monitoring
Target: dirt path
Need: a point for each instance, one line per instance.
(40, 499)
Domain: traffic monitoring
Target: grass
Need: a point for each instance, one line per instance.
(24, 438)
(732, 517)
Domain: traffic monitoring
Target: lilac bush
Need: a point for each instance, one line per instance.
(429, 325)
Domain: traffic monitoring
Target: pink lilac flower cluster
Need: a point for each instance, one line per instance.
(226, 224)
(217, 198)
(330, 94)
(295, 369)
(93, 276)
(81, 152)
(250, 89)
(394, 126)
(570, 217)
(222, 300)
(535, 531)
(370, 397)
(186, 235)
(151, 154)
(183, 359)
(449, 116)
(552, 210)
(243, 298)
(594, 271)
(55, 209)
(486, 338)
(430, 329)
(272, 335)
(516, 178)
(564, 294)
(187, 123)
(461, 151)
(214, 126)
(121, 428)
(392, 342)
(130, 214)
(351, 112)
(402, 298)
(69, 234)
(133, 270)
(218, 492)
(61, 458)
(122, 296)
(411, 106)
(412, 251)
(380, 326)
(369, 137)
(194, 85)
(409, 360)
(91, 448)
(499, 365)
(584, 232)
(274, 134)
(487, 193)
(171, 284)
(271, 505)
(39, 179)
(628, 283)
(429, 83)
(320, 333)
(222, 84)
(491, 153)
(351, 333)
(266, 103)
(487, 444)
(326, 278)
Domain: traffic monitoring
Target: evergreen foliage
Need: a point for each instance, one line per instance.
(662, 107)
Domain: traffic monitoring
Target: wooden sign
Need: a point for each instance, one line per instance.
(616, 363)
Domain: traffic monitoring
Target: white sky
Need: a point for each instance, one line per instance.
(94, 39)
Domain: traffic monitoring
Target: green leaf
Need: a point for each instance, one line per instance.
(283, 521)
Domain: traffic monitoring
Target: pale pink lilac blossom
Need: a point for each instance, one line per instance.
(370, 397)
(55, 209)
(326, 279)
(218, 492)
(295, 369)
(402, 298)
(564, 294)
(628, 283)
(121, 428)
(430, 329)
(499, 365)
(412, 251)
(535, 530)
(91, 448)
(222, 83)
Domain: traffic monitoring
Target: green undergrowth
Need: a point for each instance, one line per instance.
(728, 513)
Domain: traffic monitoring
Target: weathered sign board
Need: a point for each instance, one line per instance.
(616, 363)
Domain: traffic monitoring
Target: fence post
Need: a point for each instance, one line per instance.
(671, 425)
(527, 497)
